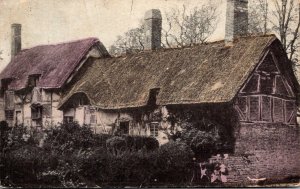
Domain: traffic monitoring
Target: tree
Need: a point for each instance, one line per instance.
(189, 28)
(130, 42)
(183, 28)
(258, 17)
(284, 20)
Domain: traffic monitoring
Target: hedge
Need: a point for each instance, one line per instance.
(73, 156)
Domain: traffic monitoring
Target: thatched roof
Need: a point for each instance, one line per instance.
(209, 73)
(54, 63)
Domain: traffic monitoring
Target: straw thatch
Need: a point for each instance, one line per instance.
(54, 63)
(209, 73)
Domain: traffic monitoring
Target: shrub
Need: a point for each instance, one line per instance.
(174, 162)
(116, 145)
(69, 137)
(72, 156)
(135, 143)
(24, 165)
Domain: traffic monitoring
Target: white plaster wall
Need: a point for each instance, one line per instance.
(57, 115)
(79, 115)
(104, 119)
(27, 114)
(46, 96)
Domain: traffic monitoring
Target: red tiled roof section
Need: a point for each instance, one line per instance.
(54, 63)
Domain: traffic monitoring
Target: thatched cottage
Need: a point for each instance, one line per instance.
(33, 82)
(244, 83)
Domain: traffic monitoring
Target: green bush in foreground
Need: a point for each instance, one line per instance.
(73, 156)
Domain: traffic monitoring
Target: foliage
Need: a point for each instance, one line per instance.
(190, 28)
(205, 136)
(68, 137)
(183, 28)
(283, 19)
(130, 42)
(116, 145)
(174, 160)
(72, 156)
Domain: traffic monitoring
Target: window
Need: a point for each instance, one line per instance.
(93, 119)
(154, 129)
(36, 112)
(9, 114)
(124, 127)
(68, 119)
(152, 96)
(33, 80)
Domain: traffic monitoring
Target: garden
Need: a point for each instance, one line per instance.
(70, 155)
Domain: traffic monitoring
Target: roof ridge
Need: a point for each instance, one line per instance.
(124, 55)
(62, 43)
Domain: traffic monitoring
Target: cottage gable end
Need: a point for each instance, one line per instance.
(267, 95)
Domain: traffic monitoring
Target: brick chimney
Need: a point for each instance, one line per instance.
(236, 20)
(153, 25)
(15, 39)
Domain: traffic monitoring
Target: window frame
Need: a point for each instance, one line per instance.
(9, 115)
(35, 115)
(154, 128)
(67, 119)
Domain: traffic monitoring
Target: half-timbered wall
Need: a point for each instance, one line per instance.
(267, 96)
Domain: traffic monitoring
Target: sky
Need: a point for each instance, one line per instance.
(55, 21)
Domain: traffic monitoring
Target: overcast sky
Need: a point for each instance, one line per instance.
(54, 21)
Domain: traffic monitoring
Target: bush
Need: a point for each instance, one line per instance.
(116, 145)
(135, 143)
(174, 162)
(69, 137)
(206, 137)
(25, 165)
(72, 156)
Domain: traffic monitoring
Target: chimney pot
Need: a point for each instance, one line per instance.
(153, 26)
(16, 39)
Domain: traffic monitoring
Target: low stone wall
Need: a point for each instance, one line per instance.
(263, 152)
(240, 168)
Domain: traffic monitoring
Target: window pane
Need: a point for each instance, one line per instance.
(254, 108)
(93, 119)
(278, 110)
(9, 114)
(154, 129)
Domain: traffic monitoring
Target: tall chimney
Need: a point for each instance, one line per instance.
(15, 39)
(236, 20)
(153, 25)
